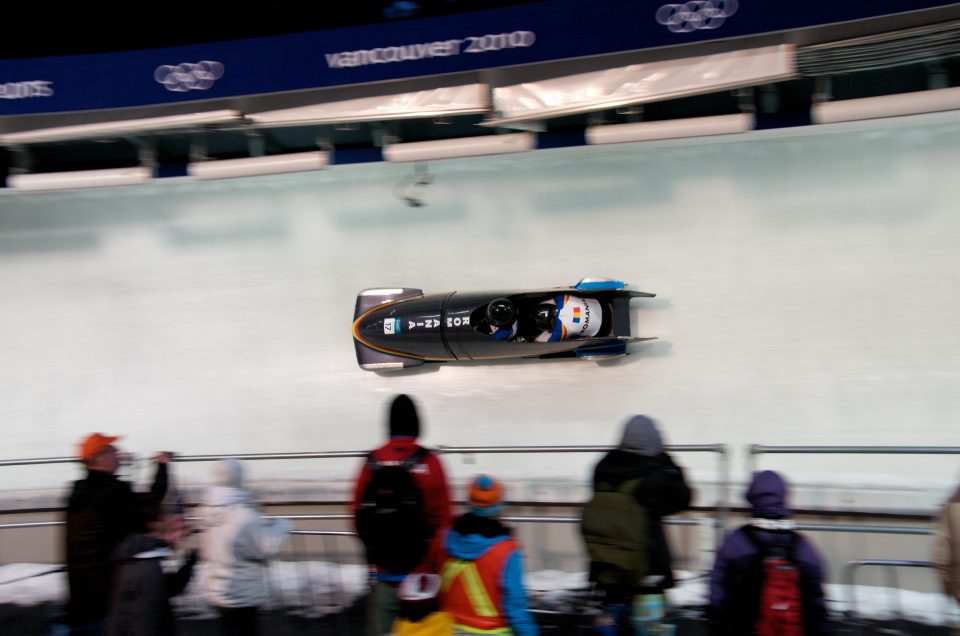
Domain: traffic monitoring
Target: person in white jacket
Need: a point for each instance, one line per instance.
(236, 544)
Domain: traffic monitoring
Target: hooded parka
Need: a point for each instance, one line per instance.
(737, 577)
(236, 542)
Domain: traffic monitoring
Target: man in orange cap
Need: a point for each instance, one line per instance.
(101, 511)
(483, 575)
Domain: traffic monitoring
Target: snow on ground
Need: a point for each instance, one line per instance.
(318, 588)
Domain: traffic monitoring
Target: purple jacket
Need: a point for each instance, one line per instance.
(736, 580)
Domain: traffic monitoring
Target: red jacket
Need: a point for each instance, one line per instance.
(429, 476)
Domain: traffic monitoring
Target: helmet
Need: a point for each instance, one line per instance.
(545, 316)
(500, 312)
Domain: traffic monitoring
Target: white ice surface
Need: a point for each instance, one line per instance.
(806, 294)
(318, 589)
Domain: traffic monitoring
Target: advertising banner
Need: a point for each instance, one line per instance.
(523, 34)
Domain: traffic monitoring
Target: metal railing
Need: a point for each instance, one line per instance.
(723, 464)
(857, 528)
(723, 476)
(719, 521)
(755, 450)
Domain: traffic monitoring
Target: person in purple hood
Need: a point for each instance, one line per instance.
(737, 577)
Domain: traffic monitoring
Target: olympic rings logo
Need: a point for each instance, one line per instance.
(696, 15)
(189, 77)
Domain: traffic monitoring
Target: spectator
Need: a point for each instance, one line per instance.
(483, 573)
(640, 468)
(400, 502)
(101, 511)
(736, 583)
(420, 613)
(946, 546)
(140, 598)
(236, 544)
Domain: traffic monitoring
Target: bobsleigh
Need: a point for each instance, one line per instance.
(403, 327)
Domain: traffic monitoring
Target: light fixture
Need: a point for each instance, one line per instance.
(459, 147)
(255, 166)
(80, 179)
(119, 128)
(932, 101)
(669, 129)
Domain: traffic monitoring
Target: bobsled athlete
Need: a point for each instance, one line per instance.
(565, 317)
(500, 319)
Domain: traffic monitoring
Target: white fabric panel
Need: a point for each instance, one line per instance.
(120, 128)
(639, 83)
(450, 100)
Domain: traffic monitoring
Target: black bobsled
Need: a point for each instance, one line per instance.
(403, 327)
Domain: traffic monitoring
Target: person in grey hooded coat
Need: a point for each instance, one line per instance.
(662, 490)
(236, 545)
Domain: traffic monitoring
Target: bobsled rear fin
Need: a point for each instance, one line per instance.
(621, 316)
(370, 298)
(373, 360)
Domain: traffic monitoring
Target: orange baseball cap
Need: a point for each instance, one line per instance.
(94, 444)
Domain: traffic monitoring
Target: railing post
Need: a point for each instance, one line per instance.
(723, 516)
(849, 572)
(752, 451)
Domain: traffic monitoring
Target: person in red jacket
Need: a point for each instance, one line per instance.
(428, 477)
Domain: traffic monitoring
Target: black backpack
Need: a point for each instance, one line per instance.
(391, 517)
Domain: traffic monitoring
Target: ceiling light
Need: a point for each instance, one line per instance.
(255, 166)
(669, 129)
(459, 147)
(887, 106)
(82, 179)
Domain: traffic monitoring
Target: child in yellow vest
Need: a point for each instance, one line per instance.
(420, 613)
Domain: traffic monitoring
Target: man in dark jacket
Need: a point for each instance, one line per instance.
(101, 511)
(737, 578)
(429, 477)
(661, 491)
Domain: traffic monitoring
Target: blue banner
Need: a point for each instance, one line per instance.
(523, 34)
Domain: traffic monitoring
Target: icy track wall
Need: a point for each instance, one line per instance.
(806, 280)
